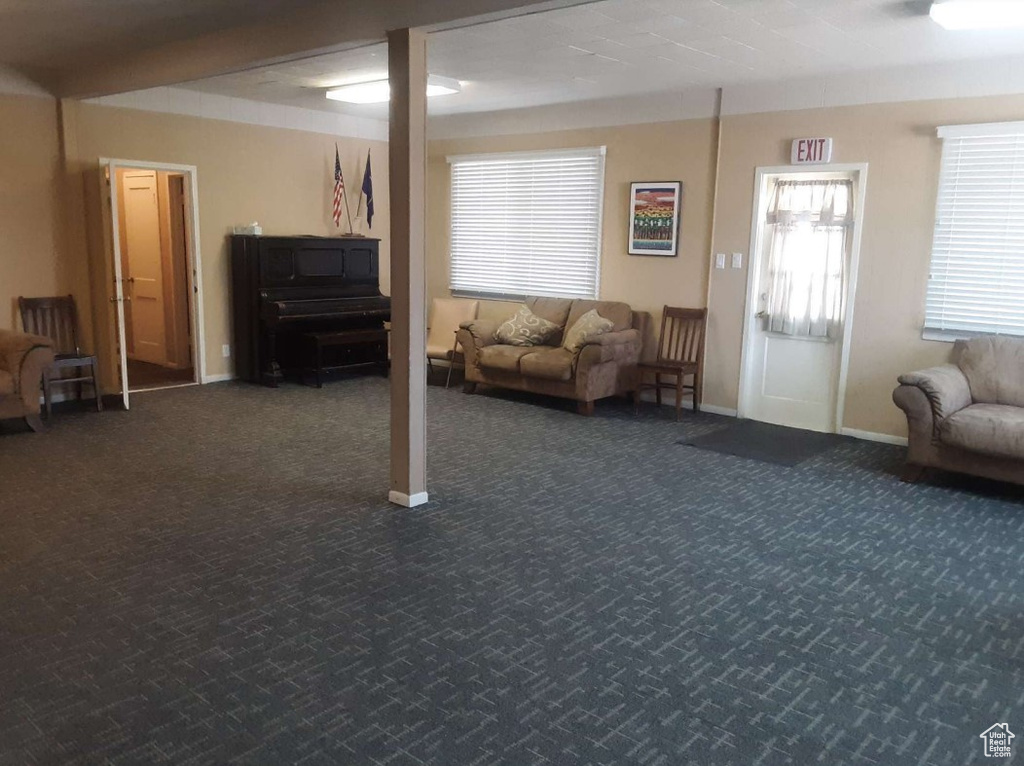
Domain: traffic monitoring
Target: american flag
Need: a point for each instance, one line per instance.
(339, 187)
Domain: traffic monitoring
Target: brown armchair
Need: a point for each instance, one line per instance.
(23, 358)
(968, 415)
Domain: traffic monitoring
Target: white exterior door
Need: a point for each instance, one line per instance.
(793, 381)
(802, 278)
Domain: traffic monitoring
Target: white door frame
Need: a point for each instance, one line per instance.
(194, 287)
(762, 178)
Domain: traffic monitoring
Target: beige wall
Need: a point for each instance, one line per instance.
(281, 178)
(670, 151)
(899, 143)
(31, 260)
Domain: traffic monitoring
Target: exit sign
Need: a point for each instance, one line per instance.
(811, 151)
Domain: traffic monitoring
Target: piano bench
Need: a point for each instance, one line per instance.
(357, 348)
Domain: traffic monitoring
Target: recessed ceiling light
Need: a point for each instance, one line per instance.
(379, 91)
(978, 14)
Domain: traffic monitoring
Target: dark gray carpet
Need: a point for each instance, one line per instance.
(215, 578)
(146, 375)
(766, 442)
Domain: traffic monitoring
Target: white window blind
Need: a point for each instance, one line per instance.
(527, 223)
(977, 273)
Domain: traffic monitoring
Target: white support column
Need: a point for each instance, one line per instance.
(407, 150)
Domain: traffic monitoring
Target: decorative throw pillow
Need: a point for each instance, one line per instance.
(524, 328)
(588, 326)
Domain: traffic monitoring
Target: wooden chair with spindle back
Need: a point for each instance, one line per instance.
(57, 319)
(680, 354)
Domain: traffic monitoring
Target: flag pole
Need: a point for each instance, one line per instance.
(348, 211)
(349, 214)
(360, 202)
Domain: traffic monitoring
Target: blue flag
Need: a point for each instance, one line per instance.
(368, 191)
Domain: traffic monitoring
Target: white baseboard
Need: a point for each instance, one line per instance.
(871, 436)
(218, 378)
(164, 387)
(668, 399)
(407, 501)
(714, 409)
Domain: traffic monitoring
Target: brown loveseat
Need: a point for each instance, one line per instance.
(23, 358)
(968, 416)
(606, 366)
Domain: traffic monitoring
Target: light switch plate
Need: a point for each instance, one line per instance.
(225, 350)
(737, 260)
(720, 261)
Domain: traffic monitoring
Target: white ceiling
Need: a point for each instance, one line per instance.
(617, 48)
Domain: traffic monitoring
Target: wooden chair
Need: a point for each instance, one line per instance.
(680, 354)
(56, 318)
(446, 314)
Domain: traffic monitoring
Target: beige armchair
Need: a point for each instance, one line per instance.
(968, 416)
(446, 314)
(23, 358)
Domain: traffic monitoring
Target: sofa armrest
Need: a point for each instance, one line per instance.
(614, 338)
(945, 387)
(25, 357)
(922, 431)
(15, 351)
(623, 346)
(481, 331)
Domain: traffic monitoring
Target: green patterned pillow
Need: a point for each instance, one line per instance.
(525, 328)
(588, 326)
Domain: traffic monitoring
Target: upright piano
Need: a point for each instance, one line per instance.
(287, 289)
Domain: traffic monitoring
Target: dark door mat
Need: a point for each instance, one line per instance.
(766, 442)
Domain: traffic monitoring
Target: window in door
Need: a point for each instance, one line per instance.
(808, 226)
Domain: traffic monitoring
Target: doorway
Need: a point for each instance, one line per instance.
(154, 268)
(805, 245)
(156, 277)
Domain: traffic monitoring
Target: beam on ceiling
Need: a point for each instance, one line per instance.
(323, 28)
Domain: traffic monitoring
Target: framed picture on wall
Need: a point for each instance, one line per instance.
(654, 211)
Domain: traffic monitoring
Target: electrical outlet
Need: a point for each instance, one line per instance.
(737, 260)
(225, 350)
(720, 261)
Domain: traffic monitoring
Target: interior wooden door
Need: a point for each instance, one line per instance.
(142, 257)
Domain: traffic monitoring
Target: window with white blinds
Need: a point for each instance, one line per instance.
(527, 223)
(977, 273)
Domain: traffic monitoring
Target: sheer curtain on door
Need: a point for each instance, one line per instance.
(808, 223)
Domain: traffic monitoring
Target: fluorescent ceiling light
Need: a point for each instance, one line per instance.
(374, 92)
(379, 91)
(442, 86)
(978, 14)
